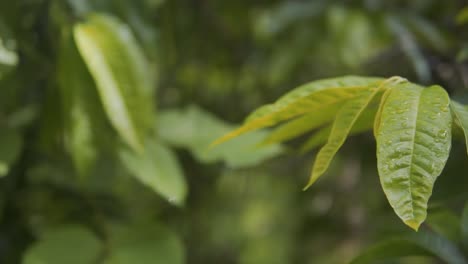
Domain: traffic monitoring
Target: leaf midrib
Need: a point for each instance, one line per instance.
(412, 153)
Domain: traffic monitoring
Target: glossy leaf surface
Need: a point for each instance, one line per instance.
(342, 125)
(311, 97)
(413, 144)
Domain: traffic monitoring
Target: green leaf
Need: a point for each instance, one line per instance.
(120, 71)
(312, 97)
(145, 244)
(378, 115)
(363, 124)
(420, 244)
(68, 244)
(413, 144)
(302, 124)
(84, 118)
(462, 16)
(158, 168)
(464, 226)
(344, 121)
(460, 113)
(11, 143)
(8, 56)
(194, 129)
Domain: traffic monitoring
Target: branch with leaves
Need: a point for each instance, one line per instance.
(412, 126)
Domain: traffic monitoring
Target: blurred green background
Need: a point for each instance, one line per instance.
(83, 183)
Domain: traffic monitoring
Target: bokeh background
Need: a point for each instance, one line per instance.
(72, 190)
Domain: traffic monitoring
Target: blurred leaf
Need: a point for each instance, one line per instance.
(460, 113)
(67, 244)
(462, 16)
(84, 118)
(120, 71)
(8, 56)
(464, 226)
(311, 97)
(194, 129)
(427, 31)
(145, 244)
(22, 117)
(410, 47)
(342, 125)
(158, 168)
(270, 22)
(445, 223)
(11, 143)
(418, 244)
(413, 144)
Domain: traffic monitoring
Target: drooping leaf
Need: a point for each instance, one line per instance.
(145, 244)
(420, 244)
(11, 143)
(311, 97)
(363, 124)
(460, 113)
(158, 168)
(413, 144)
(119, 69)
(67, 244)
(344, 121)
(194, 129)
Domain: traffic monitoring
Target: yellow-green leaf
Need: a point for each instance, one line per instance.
(460, 113)
(158, 168)
(121, 74)
(342, 125)
(302, 124)
(363, 124)
(413, 144)
(311, 97)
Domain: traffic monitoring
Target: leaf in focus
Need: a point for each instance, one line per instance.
(413, 144)
(418, 244)
(363, 124)
(11, 143)
(312, 97)
(119, 69)
(67, 244)
(194, 129)
(145, 244)
(344, 121)
(460, 113)
(302, 124)
(158, 168)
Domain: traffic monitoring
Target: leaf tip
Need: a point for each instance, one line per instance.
(413, 224)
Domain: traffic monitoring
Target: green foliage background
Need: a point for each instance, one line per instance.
(82, 183)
